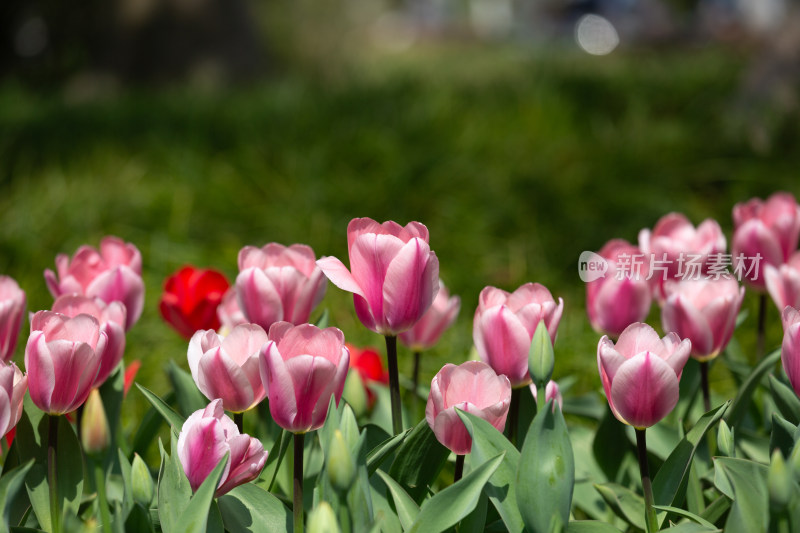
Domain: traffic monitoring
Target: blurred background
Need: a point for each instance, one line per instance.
(520, 132)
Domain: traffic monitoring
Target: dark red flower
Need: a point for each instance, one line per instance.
(190, 299)
(369, 365)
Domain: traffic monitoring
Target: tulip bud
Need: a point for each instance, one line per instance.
(779, 482)
(341, 470)
(95, 434)
(141, 482)
(794, 461)
(541, 359)
(355, 394)
(323, 520)
(725, 439)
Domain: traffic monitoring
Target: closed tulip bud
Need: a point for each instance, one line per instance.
(703, 311)
(227, 367)
(725, 439)
(441, 315)
(113, 274)
(340, 466)
(779, 482)
(394, 275)
(541, 359)
(278, 283)
(12, 309)
(322, 519)
(355, 394)
(301, 368)
(790, 349)
(190, 299)
(783, 282)
(640, 374)
(142, 486)
(472, 387)
(769, 229)
(95, 434)
(504, 326)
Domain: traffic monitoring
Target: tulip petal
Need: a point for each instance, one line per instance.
(450, 430)
(338, 274)
(41, 371)
(681, 317)
(279, 385)
(259, 298)
(313, 383)
(201, 446)
(411, 283)
(503, 343)
(243, 341)
(220, 377)
(644, 390)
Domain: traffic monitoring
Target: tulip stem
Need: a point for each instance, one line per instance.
(513, 416)
(762, 322)
(415, 377)
(102, 503)
(238, 419)
(394, 384)
(52, 476)
(297, 507)
(704, 386)
(647, 487)
(459, 468)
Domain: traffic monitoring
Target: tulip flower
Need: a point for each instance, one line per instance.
(62, 358)
(769, 229)
(640, 373)
(440, 316)
(790, 349)
(12, 308)
(278, 283)
(472, 387)
(676, 249)
(504, 325)
(13, 385)
(112, 274)
(367, 363)
(783, 282)
(623, 296)
(229, 313)
(227, 367)
(112, 319)
(552, 392)
(206, 436)
(190, 299)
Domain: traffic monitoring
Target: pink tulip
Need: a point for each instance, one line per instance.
(504, 325)
(62, 359)
(227, 367)
(790, 350)
(206, 436)
(551, 392)
(302, 367)
(112, 274)
(112, 319)
(434, 322)
(770, 229)
(624, 295)
(229, 313)
(703, 311)
(472, 387)
(640, 374)
(12, 308)
(276, 283)
(674, 244)
(393, 273)
(13, 385)
(783, 282)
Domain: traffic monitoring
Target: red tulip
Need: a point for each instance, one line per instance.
(12, 308)
(190, 299)
(367, 362)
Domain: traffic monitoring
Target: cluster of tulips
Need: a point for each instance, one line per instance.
(252, 349)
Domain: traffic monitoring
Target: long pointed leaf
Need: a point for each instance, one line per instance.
(172, 418)
(407, 508)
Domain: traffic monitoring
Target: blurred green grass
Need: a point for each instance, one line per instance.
(516, 161)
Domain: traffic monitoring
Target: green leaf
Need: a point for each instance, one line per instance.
(174, 491)
(194, 517)
(146, 433)
(407, 508)
(748, 483)
(418, 461)
(127, 490)
(475, 522)
(689, 527)
(609, 458)
(11, 482)
(716, 509)
(447, 507)
(669, 484)
(546, 474)
(590, 526)
(189, 397)
(783, 435)
(686, 514)
(487, 442)
(624, 502)
(112, 393)
(377, 455)
(742, 400)
(785, 399)
(172, 418)
(139, 520)
(251, 508)
(322, 321)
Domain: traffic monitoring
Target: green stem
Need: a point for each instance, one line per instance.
(52, 476)
(647, 487)
(541, 398)
(102, 502)
(704, 386)
(762, 322)
(459, 468)
(394, 384)
(415, 378)
(238, 419)
(297, 507)
(513, 416)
